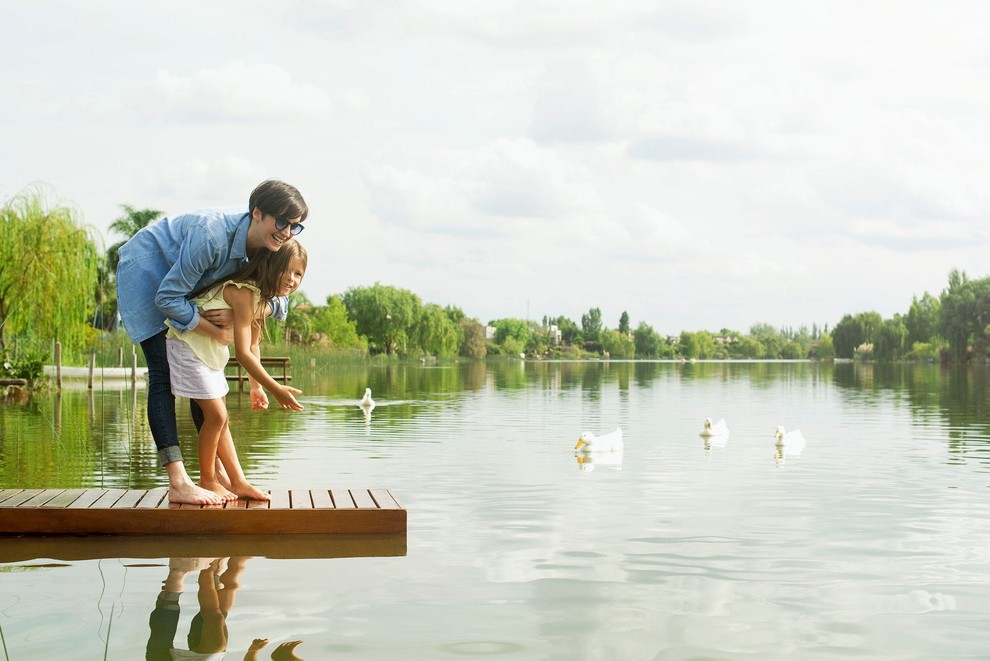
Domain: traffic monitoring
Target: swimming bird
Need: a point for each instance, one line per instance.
(792, 442)
(367, 402)
(717, 429)
(610, 442)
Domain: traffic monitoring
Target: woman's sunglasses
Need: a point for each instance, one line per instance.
(281, 223)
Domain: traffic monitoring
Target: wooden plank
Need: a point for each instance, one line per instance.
(41, 498)
(65, 499)
(384, 499)
(108, 499)
(153, 498)
(342, 499)
(363, 499)
(129, 499)
(321, 499)
(8, 493)
(89, 497)
(258, 504)
(17, 499)
(280, 500)
(300, 499)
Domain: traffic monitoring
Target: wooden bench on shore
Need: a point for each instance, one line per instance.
(268, 362)
(148, 512)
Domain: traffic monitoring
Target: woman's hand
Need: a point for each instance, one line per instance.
(221, 318)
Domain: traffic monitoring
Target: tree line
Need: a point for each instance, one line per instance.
(57, 282)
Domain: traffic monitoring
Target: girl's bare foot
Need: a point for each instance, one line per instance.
(193, 495)
(218, 489)
(221, 474)
(245, 489)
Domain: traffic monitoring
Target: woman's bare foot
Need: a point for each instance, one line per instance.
(245, 489)
(218, 489)
(193, 495)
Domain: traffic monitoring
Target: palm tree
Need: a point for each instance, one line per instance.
(129, 224)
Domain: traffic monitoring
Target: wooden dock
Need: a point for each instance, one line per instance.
(148, 512)
(280, 363)
(283, 546)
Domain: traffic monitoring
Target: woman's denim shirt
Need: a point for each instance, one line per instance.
(172, 258)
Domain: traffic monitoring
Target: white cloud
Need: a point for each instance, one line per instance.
(233, 92)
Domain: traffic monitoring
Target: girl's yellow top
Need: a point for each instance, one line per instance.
(213, 354)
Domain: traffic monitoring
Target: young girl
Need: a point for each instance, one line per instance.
(197, 362)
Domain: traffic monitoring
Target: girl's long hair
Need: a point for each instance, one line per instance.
(265, 271)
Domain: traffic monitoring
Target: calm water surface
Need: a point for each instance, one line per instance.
(872, 543)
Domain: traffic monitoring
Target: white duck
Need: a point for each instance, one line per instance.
(610, 442)
(367, 402)
(788, 442)
(717, 429)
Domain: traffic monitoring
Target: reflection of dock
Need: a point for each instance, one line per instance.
(148, 512)
(69, 548)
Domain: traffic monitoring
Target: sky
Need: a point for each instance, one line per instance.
(699, 165)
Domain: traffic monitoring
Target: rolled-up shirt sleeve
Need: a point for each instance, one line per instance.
(279, 307)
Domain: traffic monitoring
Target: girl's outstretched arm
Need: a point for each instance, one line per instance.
(241, 301)
(259, 400)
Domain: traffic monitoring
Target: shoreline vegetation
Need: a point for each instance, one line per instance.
(57, 284)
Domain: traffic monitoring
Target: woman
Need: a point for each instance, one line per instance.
(168, 260)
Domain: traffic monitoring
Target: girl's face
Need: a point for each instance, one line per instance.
(292, 277)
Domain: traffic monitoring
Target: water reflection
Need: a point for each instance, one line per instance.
(217, 580)
(588, 462)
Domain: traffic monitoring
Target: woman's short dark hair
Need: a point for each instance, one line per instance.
(277, 198)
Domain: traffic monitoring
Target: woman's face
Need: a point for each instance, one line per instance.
(263, 232)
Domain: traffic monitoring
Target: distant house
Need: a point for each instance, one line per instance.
(489, 332)
(555, 335)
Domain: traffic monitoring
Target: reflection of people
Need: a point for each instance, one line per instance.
(197, 362)
(218, 581)
(171, 258)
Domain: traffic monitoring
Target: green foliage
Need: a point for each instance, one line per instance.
(646, 341)
(617, 345)
(570, 333)
(624, 323)
(435, 333)
(48, 268)
(700, 345)
(386, 315)
(29, 366)
(853, 331)
(965, 313)
(591, 324)
(890, 342)
(922, 319)
(922, 351)
(516, 329)
(473, 345)
(824, 349)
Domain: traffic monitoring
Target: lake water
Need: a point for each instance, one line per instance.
(871, 543)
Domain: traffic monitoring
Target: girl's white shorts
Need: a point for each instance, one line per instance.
(189, 376)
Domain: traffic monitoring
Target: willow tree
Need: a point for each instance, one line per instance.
(48, 271)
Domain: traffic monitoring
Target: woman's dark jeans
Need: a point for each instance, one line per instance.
(161, 401)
